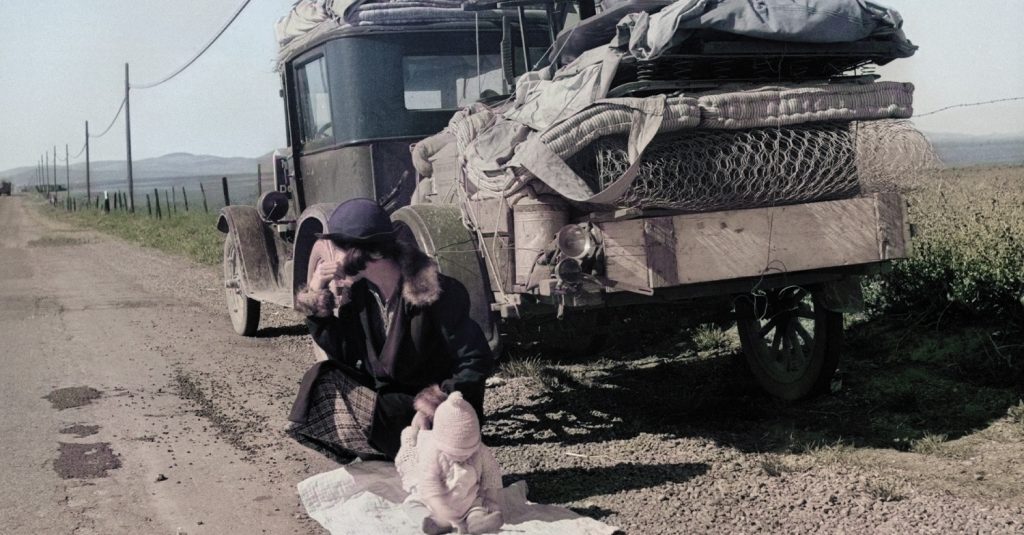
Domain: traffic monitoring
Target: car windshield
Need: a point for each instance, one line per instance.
(448, 82)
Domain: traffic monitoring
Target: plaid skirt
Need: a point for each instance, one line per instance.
(339, 418)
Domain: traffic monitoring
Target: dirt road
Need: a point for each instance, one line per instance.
(126, 403)
(129, 406)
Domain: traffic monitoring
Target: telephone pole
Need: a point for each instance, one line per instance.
(56, 188)
(88, 185)
(67, 168)
(128, 140)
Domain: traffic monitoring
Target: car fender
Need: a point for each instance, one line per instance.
(257, 249)
(312, 221)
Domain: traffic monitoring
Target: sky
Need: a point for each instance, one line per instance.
(62, 63)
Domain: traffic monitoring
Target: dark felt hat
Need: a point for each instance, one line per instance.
(359, 221)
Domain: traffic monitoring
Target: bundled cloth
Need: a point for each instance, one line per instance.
(314, 15)
(558, 112)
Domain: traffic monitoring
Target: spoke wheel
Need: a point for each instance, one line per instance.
(791, 342)
(244, 312)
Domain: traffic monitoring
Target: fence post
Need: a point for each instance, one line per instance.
(117, 198)
(149, 206)
(184, 197)
(167, 202)
(174, 199)
(224, 184)
(106, 202)
(203, 191)
(156, 197)
(259, 180)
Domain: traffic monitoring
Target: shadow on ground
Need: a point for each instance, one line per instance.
(896, 384)
(299, 329)
(572, 484)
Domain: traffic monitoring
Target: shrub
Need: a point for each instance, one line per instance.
(968, 258)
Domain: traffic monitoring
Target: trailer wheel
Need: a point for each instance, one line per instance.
(244, 312)
(791, 341)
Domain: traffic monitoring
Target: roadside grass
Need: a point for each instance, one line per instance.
(190, 234)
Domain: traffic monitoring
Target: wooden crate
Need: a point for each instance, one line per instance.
(693, 248)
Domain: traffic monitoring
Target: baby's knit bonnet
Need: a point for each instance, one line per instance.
(456, 428)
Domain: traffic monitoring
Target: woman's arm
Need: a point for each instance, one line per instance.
(471, 354)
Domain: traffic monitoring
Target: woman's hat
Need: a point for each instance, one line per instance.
(359, 221)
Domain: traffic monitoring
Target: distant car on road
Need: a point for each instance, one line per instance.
(5, 188)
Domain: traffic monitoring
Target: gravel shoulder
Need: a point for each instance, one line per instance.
(654, 434)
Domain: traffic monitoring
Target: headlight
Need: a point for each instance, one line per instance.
(569, 271)
(576, 242)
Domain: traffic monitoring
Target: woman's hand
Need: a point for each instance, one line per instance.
(325, 273)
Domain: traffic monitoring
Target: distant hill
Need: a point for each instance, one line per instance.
(174, 165)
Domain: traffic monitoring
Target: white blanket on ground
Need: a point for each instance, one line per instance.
(367, 499)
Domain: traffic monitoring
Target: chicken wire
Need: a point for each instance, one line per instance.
(705, 170)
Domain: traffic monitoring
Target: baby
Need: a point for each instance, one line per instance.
(451, 471)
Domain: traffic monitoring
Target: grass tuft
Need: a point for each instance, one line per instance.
(929, 444)
(1016, 414)
(528, 367)
(709, 337)
(885, 490)
(828, 453)
(773, 466)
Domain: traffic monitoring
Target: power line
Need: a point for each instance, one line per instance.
(109, 126)
(80, 151)
(201, 52)
(967, 105)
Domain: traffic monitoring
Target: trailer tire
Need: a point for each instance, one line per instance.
(243, 310)
(791, 341)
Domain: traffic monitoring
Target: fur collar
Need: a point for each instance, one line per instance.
(421, 282)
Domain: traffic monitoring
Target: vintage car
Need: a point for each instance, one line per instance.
(760, 185)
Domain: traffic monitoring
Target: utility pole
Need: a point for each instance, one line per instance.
(128, 140)
(88, 185)
(67, 168)
(55, 187)
(47, 169)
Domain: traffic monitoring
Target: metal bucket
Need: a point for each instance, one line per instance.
(535, 223)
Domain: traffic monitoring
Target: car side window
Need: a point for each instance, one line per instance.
(314, 103)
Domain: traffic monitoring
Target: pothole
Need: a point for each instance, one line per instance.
(85, 461)
(80, 431)
(71, 397)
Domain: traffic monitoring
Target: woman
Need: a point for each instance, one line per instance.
(392, 327)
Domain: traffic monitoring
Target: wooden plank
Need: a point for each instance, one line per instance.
(749, 243)
(660, 241)
(493, 216)
(625, 251)
(893, 226)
